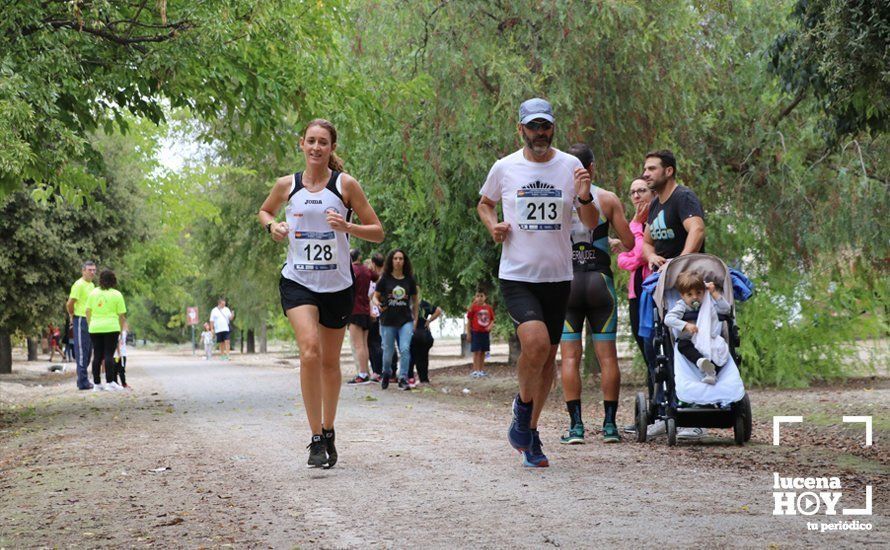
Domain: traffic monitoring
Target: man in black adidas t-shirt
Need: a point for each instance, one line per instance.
(676, 227)
(676, 224)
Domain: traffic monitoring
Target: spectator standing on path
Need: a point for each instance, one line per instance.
(105, 313)
(53, 338)
(480, 317)
(207, 338)
(120, 360)
(68, 339)
(396, 295)
(676, 227)
(77, 306)
(375, 345)
(316, 285)
(633, 261)
(360, 320)
(221, 317)
(422, 342)
(538, 186)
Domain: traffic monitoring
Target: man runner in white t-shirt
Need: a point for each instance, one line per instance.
(538, 186)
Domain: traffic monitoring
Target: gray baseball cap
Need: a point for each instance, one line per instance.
(535, 108)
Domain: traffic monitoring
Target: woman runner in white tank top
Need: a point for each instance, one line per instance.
(316, 284)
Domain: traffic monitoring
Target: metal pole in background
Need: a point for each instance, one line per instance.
(193, 339)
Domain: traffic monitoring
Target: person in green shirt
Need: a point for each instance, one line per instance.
(76, 307)
(105, 312)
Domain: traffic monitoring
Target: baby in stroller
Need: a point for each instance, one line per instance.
(705, 349)
(679, 397)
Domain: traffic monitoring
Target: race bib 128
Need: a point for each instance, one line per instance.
(315, 250)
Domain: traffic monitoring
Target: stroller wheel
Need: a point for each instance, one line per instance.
(642, 417)
(749, 418)
(742, 420)
(738, 430)
(671, 426)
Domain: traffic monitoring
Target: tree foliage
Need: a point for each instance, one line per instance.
(839, 50)
(70, 68)
(626, 78)
(45, 243)
(425, 101)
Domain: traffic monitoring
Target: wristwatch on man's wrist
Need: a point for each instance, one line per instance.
(588, 201)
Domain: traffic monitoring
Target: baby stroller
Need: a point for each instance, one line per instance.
(686, 401)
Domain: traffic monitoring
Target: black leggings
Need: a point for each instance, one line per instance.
(634, 309)
(375, 351)
(421, 343)
(104, 346)
(121, 370)
(646, 348)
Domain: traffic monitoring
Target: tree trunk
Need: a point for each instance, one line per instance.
(251, 342)
(263, 338)
(515, 348)
(5, 352)
(32, 349)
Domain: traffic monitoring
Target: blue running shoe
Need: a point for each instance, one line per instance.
(519, 435)
(535, 457)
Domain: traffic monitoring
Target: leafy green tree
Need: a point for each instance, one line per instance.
(838, 51)
(626, 78)
(44, 244)
(69, 68)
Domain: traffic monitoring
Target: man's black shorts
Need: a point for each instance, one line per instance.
(222, 336)
(544, 302)
(334, 308)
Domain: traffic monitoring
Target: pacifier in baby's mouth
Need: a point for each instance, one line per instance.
(695, 305)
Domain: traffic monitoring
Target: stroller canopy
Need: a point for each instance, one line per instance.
(711, 267)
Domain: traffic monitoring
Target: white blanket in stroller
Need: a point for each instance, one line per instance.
(708, 340)
(687, 380)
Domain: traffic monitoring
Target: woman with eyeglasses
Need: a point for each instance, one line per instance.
(632, 260)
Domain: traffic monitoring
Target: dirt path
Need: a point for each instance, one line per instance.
(429, 469)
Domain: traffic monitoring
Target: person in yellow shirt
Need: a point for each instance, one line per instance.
(76, 307)
(105, 312)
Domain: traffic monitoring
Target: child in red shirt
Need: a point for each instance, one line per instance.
(481, 319)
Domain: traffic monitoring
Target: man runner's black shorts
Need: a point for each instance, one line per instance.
(545, 302)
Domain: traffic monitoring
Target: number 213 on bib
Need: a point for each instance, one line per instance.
(539, 209)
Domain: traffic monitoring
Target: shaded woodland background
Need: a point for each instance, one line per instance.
(778, 113)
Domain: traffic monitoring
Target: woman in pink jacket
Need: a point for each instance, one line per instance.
(633, 260)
